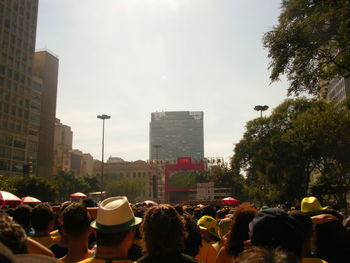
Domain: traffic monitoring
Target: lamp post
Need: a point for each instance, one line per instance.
(103, 117)
(261, 109)
(155, 178)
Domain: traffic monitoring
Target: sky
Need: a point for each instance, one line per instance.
(128, 58)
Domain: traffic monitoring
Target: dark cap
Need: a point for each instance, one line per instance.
(275, 228)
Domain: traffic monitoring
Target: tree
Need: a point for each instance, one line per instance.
(278, 154)
(66, 184)
(130, 187)
(224, 177)
(38, 187)
(310, 44)
(6, 184)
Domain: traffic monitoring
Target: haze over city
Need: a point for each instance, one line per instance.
(129, 58)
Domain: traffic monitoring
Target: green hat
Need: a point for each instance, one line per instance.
(115, 215)
(208, 223)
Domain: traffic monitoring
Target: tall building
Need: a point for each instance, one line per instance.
(45, 67)
(62, 147)
(175, 134)
(338, 90)
(18, 20)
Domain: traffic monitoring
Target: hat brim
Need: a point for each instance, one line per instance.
(116, 228)
(210, 232)
(316, 212)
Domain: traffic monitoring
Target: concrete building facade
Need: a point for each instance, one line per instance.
(116, 166)
(63, 140)
(338, 90)
(45, 67)
(18, 20)
(175, 134)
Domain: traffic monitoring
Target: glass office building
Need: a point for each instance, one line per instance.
(175, 134)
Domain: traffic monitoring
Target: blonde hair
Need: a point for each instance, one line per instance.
(224, 226)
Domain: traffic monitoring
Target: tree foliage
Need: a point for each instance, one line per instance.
(279, 154)
(130, 187)
(38, 187)
(310, 43)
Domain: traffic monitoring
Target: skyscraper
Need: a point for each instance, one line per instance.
(175, 134)
(18, 21)
(338, 90)
(45, 67)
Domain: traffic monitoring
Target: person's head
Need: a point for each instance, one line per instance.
(42, 218)
(115, 222)
(224, 226)
(220, 214)
(209, 229)
(179, 209)
(88, 202)
(76, 220)
(332, 241)
(13, 236)
(209, 211)
(193, 240)
(273, 228)
(306, 229)
(21, 214)
(163, 231)
(239, 231)
(262, 255)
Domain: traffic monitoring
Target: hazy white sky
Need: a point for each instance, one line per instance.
(128, 58)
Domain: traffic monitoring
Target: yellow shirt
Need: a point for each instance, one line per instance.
(46, 240)
(105, 260)
(313, 260)
(207, 253)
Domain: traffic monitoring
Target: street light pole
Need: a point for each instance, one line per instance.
(103, 117)
(261, 109)
(155, 178)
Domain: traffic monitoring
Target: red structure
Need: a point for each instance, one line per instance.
(176, 194)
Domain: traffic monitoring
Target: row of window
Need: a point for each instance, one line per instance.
(10, 140)
(5, 165)
(18, 155)
(11, 124)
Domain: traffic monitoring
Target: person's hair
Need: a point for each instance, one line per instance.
(41, 216)
(262, 255)
(224, 226)
(193, 239)
(179, 209)
(239, 233)
(88, 202)
(110, 239)
(220, 214)
(209, 211)
(21, 214)
(163, 231)
(76, 219)
(332, 242)
(197, 213)
(13, 236)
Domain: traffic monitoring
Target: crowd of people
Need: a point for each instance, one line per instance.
(117, 231)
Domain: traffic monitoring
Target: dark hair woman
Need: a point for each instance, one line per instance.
(239, 233)
(163, 234)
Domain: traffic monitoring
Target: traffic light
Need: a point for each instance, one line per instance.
(27, 168)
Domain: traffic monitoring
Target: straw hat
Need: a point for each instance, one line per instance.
(115, 215)
(311, 205)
